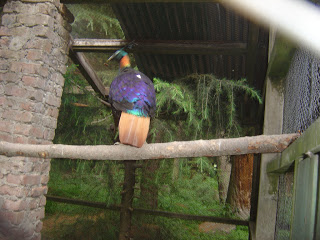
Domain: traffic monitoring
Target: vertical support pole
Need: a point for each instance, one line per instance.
(267, 200)
(126, 200)
(33, 56)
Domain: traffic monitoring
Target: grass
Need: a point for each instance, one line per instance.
(100, 181)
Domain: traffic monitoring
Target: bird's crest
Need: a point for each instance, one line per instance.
(122, 56)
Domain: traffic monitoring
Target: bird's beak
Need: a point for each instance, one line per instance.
(112, 56)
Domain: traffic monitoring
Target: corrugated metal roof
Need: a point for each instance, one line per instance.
(186, 21)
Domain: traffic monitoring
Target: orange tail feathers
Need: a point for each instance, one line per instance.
(133, 130)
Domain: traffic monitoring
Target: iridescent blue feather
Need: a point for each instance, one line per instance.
(133, 92)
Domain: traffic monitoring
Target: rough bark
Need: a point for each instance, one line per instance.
(198, 148)
(239, 193)
(224, 171)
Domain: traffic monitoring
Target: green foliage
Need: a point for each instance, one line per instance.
(176, 229)
(182, 114)
(193, 196)
(192, 193)
(212, 106)
(99, 21)
(84, 225)
(79, 179)
(209, 112)
(86, 180)
(82, 125)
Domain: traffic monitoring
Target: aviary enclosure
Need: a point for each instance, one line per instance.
(221, 81)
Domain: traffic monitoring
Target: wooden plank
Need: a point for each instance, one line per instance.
(308, 142)
(162, 47)
(267, 196)
(88, 72)
(306, 186)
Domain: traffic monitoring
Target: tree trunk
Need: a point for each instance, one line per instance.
(239, 193)
(224, 171)
(149, 187)
(126, 200)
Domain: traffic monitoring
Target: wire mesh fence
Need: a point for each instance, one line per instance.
(191, 194)
(284, 208)
(188, 187)
(302, 91)
(301, 109)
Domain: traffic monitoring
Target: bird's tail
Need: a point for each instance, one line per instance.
(133, 130)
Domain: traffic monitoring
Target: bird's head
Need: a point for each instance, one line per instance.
(118, 55)
(122, 57)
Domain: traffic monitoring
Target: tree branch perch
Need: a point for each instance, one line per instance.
(198, 148)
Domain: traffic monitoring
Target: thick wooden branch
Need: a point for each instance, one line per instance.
(161, 47)
(198, 148)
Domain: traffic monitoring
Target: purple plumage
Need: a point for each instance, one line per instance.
(133, 100)
(133, 92)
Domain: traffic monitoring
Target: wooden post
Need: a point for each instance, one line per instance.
(126, 200)
(273, 119)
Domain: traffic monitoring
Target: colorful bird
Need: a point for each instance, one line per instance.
(133, 101)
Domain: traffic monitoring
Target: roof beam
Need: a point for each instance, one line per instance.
(162, 47)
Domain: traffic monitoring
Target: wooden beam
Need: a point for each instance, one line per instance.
(149, 212)
(197, 148)
(308, 143)
(161, 47)
(88, 72)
